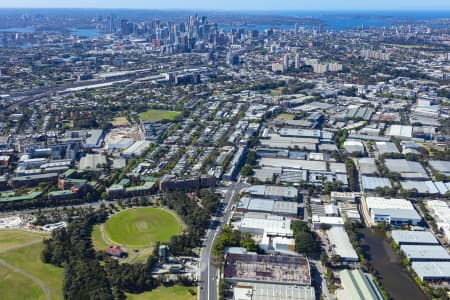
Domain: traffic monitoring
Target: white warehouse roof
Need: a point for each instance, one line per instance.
(137, 149)
(413, 237)
(425, 252)
(432, 270)
(260, 226)
(341, 244)
(386, 203)
(404, 131)
(314, 165)
(272, 191)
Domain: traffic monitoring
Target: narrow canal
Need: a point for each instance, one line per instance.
(394, 277)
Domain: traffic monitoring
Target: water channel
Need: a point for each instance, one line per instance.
(394, 277)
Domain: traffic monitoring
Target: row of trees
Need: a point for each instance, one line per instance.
(352, 174)
(85, 275)
(305, 240)
(339, 137)
(234, 238)
(195, 216)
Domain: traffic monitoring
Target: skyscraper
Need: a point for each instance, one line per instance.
(297, 61)
(286, 62)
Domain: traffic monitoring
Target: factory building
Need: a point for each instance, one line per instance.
(392, 211)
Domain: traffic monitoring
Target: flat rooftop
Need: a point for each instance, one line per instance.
(425, 253)
(407, 168)
(293, 270)
(341, 244)
(371, 183)
(441, 166)
(312, 165)
(358, 285)
(272, 191)
(429, 270)
(267, 205)
(260, 225)
(264, 291)
(413, 237)
(388, 203)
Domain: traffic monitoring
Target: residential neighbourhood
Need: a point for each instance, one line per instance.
(167, 151)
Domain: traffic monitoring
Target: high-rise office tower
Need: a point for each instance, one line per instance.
(286, 62)
(297, 61)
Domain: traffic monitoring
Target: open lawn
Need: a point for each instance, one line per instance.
(141, 227)
(120, 121)
(28, 259)
(97, 240)
(164, 293)
(409, 46)
(158, 115)
(23, 250)
(277, 91)
(429, 147)
(140, 257)
(14, 286)
(287, 117)
(10, 239)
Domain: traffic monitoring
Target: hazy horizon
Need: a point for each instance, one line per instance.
(236, 5)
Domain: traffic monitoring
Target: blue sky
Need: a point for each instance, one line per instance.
(324, 5)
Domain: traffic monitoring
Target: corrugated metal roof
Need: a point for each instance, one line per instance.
(431, 270)
(341, 245)
(413, 237)
(358, 285)
(403, 165)
(371, 183)
(425, 187)
(425, 252)
(441, 166)
(386, 147)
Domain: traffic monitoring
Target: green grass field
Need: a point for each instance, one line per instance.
(409, 46)
(23, 250)
(141, 227)
(164, 293)
(29, 259)
(15, 286)
(287, 117)
(97, 240)
(158, 115)
(277, 91)
(120, 121)
(12, 238)
(141, 257)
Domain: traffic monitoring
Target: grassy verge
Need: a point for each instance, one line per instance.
(29, 259)
(158, 115)
(164, 293)
(119, 121)
(287, 117)
(97, 240)
(13, 238)
(14, 286)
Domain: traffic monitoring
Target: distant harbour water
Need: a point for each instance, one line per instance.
(346, 20)
(308, 20)
(331, 23)
(18, 29)
(80, 32)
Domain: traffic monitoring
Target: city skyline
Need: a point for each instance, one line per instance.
(195, 150)
(233, 5)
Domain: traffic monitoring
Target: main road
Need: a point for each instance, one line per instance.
(208, 269)
(30, 95)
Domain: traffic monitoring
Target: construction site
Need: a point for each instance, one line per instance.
(268, 269)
